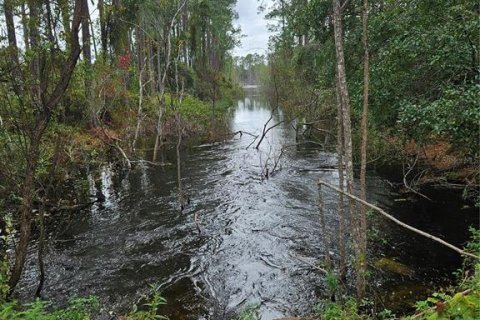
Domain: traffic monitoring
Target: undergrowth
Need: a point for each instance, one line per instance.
(461, 302)
(77, 309)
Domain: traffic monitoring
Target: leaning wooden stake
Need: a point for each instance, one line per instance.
(400, 223)
(325, 236)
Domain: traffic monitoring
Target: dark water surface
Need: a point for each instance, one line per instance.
(254, 235)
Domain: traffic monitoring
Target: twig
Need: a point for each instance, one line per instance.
(73, 208)
(405, 175)
(115, 145)
(309, 263)
(277, 161)
(147, 162)
(253, 141)
(266, 131)
(241, 133)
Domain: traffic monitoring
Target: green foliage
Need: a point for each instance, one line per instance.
(195, 110)
(473, 245)
(332, 282)
(151, 313)
(457, 306)
(463, 304)
(249, 313)
(423, 63)
(454, 116)
(349, 310)
(5, 230)
(78, 309)
(329, 310)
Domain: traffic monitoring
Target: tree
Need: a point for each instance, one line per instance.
(363, 151)
(347, 138)
(87, 58)
(42, 103)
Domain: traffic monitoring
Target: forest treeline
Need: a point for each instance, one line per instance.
(423, 65)
(79, 78)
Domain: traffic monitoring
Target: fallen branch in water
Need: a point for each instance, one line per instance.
(253, 141)
(241, 133)
(321, 168)
(265, 131)
(157, 164)
(115, 145)
(400, 223)
(309, 263)
(74, 207)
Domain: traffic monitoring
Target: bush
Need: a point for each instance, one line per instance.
(455, 117)
(78, 309)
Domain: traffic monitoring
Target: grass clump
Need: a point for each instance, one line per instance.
(249, 313)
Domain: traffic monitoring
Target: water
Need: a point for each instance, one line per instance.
(242, 240)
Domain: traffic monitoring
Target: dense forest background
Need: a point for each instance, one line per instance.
(424, 67)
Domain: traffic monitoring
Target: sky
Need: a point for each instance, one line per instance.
(254, 27)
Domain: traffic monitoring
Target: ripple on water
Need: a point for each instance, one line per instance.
(250, 231)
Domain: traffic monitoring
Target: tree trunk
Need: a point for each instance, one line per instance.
(341, 175)
(167, 54)
(347, 136)
(12, 45)
(41, 249)
(25, 211)
(141, 89)
(103, 29)
(87, 57)
(151, 67)
(50, 27)
(117, 29)
(44, 108)
(364, 130)
(141, 51)
(26, 33)
(185, 29)
(36, 60)
(65, 12)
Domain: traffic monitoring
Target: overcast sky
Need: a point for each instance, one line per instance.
(254, 27)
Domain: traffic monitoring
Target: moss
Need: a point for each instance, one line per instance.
(393, 266)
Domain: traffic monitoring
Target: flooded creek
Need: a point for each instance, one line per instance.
(241, 239)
